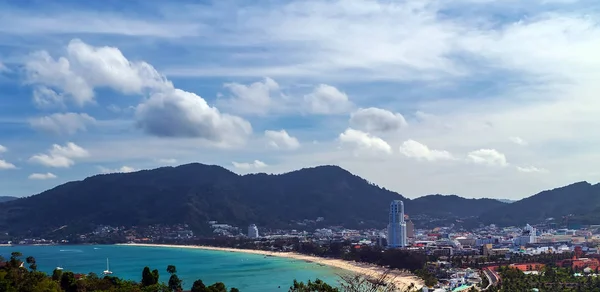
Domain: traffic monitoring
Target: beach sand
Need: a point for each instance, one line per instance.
(399, 279)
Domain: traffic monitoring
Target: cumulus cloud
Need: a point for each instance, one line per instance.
(487, 157)
(518, 141)
(178, 113)
(67, 123)
(167, 112)
(85, 67)
(253, 165)
(3, 149)
(281, 140)
(531, 169)
(60, 156)
(376, 120)
(326, 99)
(6, 165)
(365, 142)
(414, 149)
(123, 169)
(251, 99)
(42, 176)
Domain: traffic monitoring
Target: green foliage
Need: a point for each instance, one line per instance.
(174, 283)
(198, 286)
(316, 286)
(171, 269)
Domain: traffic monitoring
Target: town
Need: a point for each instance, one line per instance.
(453, 259)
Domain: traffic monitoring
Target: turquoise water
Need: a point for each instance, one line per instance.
(247, 272)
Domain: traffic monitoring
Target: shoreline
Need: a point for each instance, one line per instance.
(396, 277)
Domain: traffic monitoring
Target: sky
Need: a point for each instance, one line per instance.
(479, 98)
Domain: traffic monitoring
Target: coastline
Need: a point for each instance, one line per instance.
(399, 279)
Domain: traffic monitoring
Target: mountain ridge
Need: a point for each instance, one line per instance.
(196, 193)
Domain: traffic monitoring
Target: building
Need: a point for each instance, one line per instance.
(410, 227)
(528, 236)
(252, 231)
(396, 236)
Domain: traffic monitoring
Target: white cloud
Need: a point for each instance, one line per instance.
(488, 157)
(365, 142)
(6, 165)
(167, 161)
(253, 165)
(376, 120)
(44, 97)
(3, 149)
(42, 176)
(518, 141)
(414, 149)
(178, 113)
(86, 67)
(167, 112)
(67, 123)
(60, 156)
(251, 99)
(123, 169)
(531, 169)
(326, 99)
(281, 140)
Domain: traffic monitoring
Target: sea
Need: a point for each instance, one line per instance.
(247, 272)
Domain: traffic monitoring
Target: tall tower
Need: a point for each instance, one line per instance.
(397, 226)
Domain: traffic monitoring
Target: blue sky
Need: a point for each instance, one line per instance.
(480, 98)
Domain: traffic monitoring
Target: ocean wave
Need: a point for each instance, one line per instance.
(71, 250)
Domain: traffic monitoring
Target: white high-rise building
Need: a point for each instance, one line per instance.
(396, 236)
(252, 231)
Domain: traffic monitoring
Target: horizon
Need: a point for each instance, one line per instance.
(489, 98)
(503, 200)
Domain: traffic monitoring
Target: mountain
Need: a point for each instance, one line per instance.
(582, 200)
(6, 199)
(506, 201)
(197, 193)
(452, 205)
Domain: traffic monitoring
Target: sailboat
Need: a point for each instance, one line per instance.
(107, 272)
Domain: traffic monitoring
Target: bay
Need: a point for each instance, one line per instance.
(247, 272)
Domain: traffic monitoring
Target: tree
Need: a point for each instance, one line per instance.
(198, 286)
(155, 276)
(171, 269)
(175, 283)
(234, 290)
(57, 275)
(147, 277)
(67, 282)
(217, 287)
(31, 262)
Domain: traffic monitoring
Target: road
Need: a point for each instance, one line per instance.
(492, 277)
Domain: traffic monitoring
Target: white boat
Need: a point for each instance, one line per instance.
(59, 268)
(107, 272)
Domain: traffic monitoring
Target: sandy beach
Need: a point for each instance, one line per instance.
(399, 279)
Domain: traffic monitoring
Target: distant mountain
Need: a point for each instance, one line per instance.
(582, 200)
(6, 199)
(197, 193)
(507, 201)
(452, 205)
